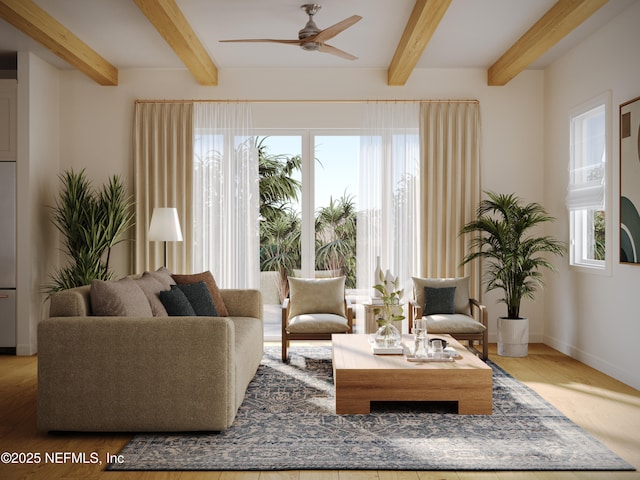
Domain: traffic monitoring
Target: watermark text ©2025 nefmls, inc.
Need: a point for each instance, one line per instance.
(87, 458)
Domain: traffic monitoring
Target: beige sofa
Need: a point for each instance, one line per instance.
(159, 374)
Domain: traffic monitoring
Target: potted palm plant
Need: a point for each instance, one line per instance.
(513, 258)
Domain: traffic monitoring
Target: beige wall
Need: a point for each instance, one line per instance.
(38, 166)
(593, 317)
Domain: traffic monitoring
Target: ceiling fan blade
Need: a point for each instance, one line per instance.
(270, 40)
(336, 51)
(334, 30)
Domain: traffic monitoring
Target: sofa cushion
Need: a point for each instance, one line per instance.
(316, 295)
(461, 297)
(199, 298)
(207, 278)
(176, 303)
(122, 298)
(439, 300)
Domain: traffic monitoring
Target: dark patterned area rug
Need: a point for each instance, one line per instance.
(288, 422)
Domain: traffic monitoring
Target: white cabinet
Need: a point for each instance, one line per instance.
(8, 119)
(8, 322)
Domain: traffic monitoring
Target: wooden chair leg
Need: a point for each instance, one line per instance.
(485, 346)
(285, 344)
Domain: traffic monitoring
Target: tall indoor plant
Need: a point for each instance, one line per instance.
(91, 223)
(513, 259)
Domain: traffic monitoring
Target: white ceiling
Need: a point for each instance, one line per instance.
(473, 33)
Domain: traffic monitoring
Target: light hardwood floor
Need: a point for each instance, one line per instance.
(605, 407)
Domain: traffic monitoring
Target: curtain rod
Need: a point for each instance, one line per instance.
(308, 101)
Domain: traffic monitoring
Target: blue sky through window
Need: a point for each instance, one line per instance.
(336, 170)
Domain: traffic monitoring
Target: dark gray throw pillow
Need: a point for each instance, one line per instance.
(199, 298)
(439, 300)
(176, 303)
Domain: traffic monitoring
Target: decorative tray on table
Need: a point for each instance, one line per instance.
(382, 350)
(448, 355)
(378, 350)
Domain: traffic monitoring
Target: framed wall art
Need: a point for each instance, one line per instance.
(630, 182)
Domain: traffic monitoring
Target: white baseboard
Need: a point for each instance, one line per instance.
(594, 361)
(25, 350)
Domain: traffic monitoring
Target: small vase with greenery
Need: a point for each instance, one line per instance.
(513, 256)
(91, 224)
(390, 312)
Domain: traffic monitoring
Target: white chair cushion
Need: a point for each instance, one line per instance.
(316, 295)
(318, 323)
(460, 298)
(455, 323)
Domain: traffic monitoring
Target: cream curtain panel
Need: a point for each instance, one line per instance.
(451, 189)
(163, 166)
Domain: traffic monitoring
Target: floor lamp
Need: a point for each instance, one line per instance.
(164, 227)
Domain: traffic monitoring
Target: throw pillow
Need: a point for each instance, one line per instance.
(121, 298)
(176, 303)
(207, 278)
(163, 275)
(152, 287)
(199, 298)
(438, 300)
(460, 299)
(316, 295)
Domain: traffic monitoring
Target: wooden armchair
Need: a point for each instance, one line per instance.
(315, 309)
(451, 311)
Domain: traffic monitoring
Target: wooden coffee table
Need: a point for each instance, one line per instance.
(361, 377)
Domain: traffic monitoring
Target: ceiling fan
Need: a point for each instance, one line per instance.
(311, 37)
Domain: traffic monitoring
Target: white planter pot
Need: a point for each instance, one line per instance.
(513, 337)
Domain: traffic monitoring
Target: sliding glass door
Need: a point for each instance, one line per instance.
(308, 209)
(280, 170)
(335, 182)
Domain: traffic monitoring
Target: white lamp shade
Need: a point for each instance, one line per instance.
(165, 226)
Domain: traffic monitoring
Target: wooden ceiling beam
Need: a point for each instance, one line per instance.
(554, 25)
(168, 19)
(424, 20)
(33, 21)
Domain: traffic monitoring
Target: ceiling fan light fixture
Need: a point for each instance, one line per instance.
(310, 29)
(310, 46)
(311, 8)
